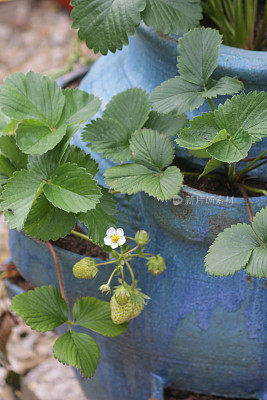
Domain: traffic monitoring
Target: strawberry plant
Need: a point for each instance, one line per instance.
(46, 184)
(129, 131)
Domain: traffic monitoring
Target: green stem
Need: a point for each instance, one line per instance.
(244, 170)
(111, 276)
(211, 104)
(81, 235)
(231, 172)
(257, 165)
(131, 272)
(256, 190)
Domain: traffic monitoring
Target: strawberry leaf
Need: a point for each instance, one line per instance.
(18, 196)
(9, 148)
(47, 222)
(94, 314)
(35, 138)
(43, 308)
(78, 350)
(106, 24)
(72, 189)
(32, 96)
(198, 53)
(132, 178)
(101, 218)
(172, 16)
(243, 249)
(125, 113)
(242, 128)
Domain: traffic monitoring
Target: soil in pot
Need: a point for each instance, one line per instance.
(219, 186)
(174, 394)
(80, 246)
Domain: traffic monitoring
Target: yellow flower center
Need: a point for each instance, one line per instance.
(115, 238)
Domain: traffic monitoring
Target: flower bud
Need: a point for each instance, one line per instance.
(156, 265)
(105, 288)
(142, 237)
(85, 268)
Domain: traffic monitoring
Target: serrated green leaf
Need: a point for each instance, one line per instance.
(201, 133)
(130, 108)
(72, 189)
(108, 137)
(225, 85)
(151, 149)
(233, 148)
(94, 314)
(106, 24)
(35, 138)
(78, 350)
(47, 222)
(18, 197)
(231, 250)
(172, 16)
(4, 121)
(32, 96)
(198, 53)
(211, 165)
(260, 225)
(45, 165)
(238, 247)
(9, 148)
(6, 166)
(132, 178)
(169, 124)
(77, 156)
(244, 112)
(79, 106)
(43, 308)
(101, 218)
(204, 130)
(3, 180)
(257, 264)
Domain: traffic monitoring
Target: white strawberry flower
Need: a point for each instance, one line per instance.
(114, 238)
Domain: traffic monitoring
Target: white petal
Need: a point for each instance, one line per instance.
(121, 240)
(120, 232)
(107, 240)
(111, 231)
(114, 245)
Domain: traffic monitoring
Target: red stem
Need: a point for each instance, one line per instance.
(244, 194)
(58, 270)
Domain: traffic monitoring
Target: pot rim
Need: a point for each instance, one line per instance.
(223, 199)
(254, 59)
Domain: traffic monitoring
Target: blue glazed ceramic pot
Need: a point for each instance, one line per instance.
(149, 60)
(197, 332)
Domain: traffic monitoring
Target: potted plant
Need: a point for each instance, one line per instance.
(47, 184)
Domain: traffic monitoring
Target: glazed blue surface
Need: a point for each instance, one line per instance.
(149, 60)
(197, 332)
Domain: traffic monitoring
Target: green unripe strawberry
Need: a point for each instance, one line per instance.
(141, 237)
(85, 268)
(156, 265)
(120, 313)
(122, 295)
